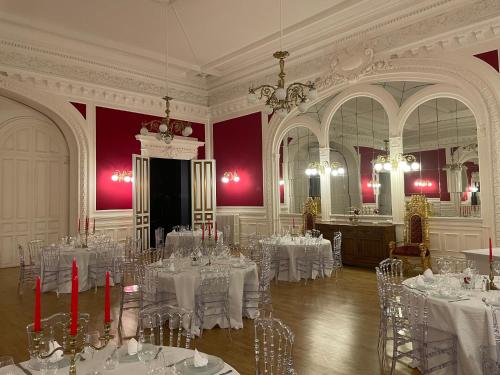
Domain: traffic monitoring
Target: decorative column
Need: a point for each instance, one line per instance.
(326, 206)
(275, 183)
(397, 188)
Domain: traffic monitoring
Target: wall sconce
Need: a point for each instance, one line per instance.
(423, 183)
(373, 184)
(121, 176)
(230, 176)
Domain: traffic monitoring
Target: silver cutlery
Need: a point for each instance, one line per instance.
(460, 299)
(26, 371)
(227, 372)
(158, 353)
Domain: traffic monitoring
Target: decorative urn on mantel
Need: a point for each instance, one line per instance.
(181, 148)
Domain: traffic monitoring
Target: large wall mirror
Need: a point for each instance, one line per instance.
(359, 133)
(441, 134)
(299, 149)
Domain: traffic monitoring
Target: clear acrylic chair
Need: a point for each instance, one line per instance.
(308, 265)
(212, 299)
(391, 269)
(130, 292)
(169, 324)
(34, 251)
(429, 348)
(101, 262)
(152, 293)
(273, 346)
(260, 298)
(280, 263)
(28, 271)
(490, 355)
(160, 238)
(337, 252)
(53, 271)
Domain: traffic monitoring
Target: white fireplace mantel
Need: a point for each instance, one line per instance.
(182, 148)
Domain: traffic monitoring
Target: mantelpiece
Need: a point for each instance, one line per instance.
(182, 148)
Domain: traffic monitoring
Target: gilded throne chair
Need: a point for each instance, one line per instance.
(309, 213)
(416, 235)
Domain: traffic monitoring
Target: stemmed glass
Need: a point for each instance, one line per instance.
(147, 351)
(7, 366)
(92, 338)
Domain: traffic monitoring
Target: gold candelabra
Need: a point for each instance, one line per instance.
(76, 345)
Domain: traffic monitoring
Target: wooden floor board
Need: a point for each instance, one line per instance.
(335, 323)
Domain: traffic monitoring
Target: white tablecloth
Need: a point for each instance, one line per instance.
(187, 239)
(185, 284)
(470, 322)
(481, 257)
(292, 250)
(131, 368)
(83, 257)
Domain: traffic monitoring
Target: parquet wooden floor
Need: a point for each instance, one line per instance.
(335, 323)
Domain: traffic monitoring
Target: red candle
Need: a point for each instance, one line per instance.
(107, 315)
(87, 224)
(74, 269)
(209, 230)
(74, 307)
(203, 232)
(491, 251)
(216, 236)
(38, 319)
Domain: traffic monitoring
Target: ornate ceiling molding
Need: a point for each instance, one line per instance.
(24, 56)
(181, 148)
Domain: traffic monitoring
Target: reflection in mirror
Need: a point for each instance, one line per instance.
(359, 131)
(441, 133)
(298, 150)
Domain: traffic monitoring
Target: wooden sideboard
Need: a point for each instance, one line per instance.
(363, 244)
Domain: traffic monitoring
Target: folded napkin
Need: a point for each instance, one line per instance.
(160, 262)
(172, 256)
(171, 267)
(428, 274)
(199, 254)
(199, 360)
(420, 280)
(132, 346)
(57, 356)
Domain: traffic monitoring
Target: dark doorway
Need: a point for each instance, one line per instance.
(170, 194)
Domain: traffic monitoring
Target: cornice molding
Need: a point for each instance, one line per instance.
(181, 148)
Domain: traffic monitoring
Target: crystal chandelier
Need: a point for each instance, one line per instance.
(166, 128)
(281, 99)
(316, 168)
(388, 162)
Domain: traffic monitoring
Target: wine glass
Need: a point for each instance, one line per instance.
(92, 339)
(147, 351)
(7, 366)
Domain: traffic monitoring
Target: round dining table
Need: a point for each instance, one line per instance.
(66, 256)
(185, 282)
(169, 355)
(293, 248)
(467, 317)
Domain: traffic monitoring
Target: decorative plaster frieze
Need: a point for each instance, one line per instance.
(181, 148)
(23, 56)
(109, 97)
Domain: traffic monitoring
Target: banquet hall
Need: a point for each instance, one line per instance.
(268, 187)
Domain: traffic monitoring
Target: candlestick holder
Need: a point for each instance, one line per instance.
(73, 345)
(491, 283)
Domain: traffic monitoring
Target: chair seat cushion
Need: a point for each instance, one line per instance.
(412, 250)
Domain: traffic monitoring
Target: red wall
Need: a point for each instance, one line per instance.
(490, 57)
(115, 144)
(238, 145)
(82, 108)
(432, 163)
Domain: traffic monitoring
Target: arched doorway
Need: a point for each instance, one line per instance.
(34, 182)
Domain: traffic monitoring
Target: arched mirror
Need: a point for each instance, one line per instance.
(441, 134)
(359, 133)
(299, 152)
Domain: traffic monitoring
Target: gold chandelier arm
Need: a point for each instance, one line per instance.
(265, 91)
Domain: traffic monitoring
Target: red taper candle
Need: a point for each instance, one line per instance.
(203, 232)
(38, 316)
(209, 230)
(74, 269)
(491, 251)
(107, 314)
(74, 307)
(87, 224)
(216, 236)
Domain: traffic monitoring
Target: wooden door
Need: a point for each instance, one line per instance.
(203, 192)
(34, 181)
(140, 198)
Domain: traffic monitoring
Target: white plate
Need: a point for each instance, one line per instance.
(214, 365)
(449, 296)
